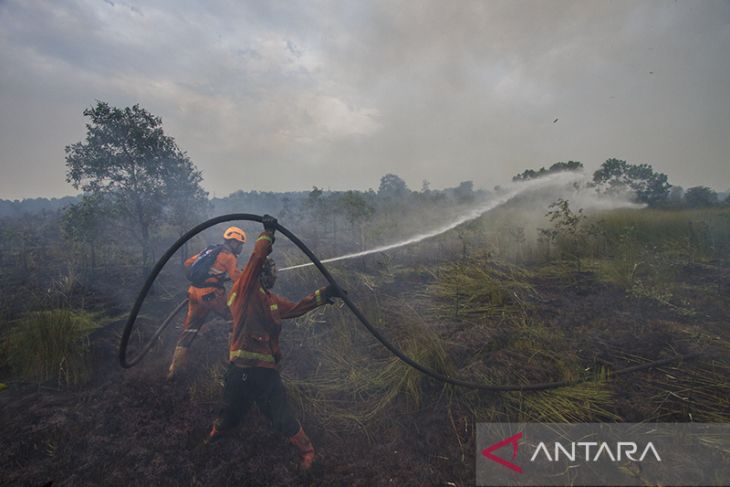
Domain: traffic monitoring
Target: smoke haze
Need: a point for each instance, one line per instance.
(535, 195)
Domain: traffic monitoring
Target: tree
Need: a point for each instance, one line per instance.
(357, 211)
(83, 223)
(700, 197)
(464, 192)
(566, 166)
(649, 186)
(570, 166)
(315, 206)
(392, 186)
(529, 174)
(567, 231)
(675, 198)
(129, 161)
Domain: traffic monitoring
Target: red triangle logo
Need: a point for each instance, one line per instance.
(514, 441)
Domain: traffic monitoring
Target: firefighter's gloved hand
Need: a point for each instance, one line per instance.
(269, 223)
(331, 292)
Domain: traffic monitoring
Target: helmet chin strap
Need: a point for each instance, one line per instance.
(235, 248)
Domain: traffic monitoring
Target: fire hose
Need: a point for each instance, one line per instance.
(127, 362)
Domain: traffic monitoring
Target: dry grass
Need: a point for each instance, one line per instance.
(50, 345)
(207, 385)
(354, 384)
(479, 320)
(483, 288)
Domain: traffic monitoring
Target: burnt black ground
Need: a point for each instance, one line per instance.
(131, 427)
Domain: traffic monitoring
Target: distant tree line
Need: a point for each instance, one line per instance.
(334, 221)
(555, 168)
(139, 192)
(647, 185)
(30, 206)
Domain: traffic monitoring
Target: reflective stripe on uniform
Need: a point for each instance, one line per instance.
(265, 237)
(274, 307)
(318, 296)
(245, 354)
(233, 296)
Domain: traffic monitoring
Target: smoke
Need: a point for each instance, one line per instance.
(580, 192)
(539, 192)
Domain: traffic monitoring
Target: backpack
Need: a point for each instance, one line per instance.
(200, 270)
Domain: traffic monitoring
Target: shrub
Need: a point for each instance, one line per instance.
(50, 345)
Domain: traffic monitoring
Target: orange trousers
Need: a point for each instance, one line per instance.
(201, 301)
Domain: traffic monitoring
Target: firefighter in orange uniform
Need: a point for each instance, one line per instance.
(209, 294)
(254, 352)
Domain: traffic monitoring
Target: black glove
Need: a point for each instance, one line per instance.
(269, 223)
(331, 292)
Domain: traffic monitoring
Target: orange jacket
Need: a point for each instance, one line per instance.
(224, 266)
(257, 313)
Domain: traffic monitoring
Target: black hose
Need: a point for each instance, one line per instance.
(356, 311)
(157, 333)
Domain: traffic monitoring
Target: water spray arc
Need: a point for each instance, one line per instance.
(126, 363)
(470, 215)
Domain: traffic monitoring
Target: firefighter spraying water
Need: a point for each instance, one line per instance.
(257, 313)
(254, 351)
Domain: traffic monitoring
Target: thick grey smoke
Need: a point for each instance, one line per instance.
(574, 187)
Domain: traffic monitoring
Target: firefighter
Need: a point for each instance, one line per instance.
(254, 353)
(208, 295)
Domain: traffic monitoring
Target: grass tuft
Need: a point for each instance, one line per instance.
(50, 345)
(207, 386)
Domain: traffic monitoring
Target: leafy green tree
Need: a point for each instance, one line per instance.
(700, 197)
(129, 161)
(650, 187)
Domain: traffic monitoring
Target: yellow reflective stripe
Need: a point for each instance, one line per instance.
(245, 354)
(231, 298)
(274, 307)
(264, 237)
(318, 296)
(261, 290)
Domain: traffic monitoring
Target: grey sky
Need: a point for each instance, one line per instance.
(283, 96)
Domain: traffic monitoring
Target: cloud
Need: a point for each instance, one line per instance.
(285, 96)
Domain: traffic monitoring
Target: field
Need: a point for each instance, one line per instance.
(498, 300)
